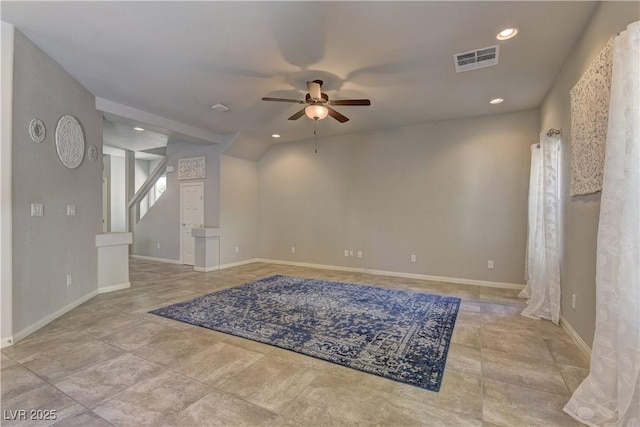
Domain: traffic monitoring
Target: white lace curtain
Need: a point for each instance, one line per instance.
(542, 264)
(610, 395)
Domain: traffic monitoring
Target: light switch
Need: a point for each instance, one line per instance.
(71, 210)
(37, 209)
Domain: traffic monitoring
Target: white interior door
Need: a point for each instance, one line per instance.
(191, 216)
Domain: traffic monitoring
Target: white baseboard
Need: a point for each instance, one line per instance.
(574, 335)
(50, 318)
(205, 269)
(111, 288)
(473, 282)
(239, 263)
(149, 258)
(200, 269)
(6, 342)
(486, 283)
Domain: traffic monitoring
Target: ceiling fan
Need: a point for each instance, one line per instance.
(318, 104)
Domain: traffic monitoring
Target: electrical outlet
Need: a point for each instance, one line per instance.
(71, 210)
(69, 280)
(237, 249)
(413, 258)
(293, 249)
(350, 253)
(490, 264)
(573, 301)
(158, 245)
(359, 254)
(346, 252)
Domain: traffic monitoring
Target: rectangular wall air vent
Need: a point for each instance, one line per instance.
(475, 59)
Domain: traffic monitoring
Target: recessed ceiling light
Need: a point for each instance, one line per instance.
(138, 128)
(496, 101)
(275, 135)
(507, 33)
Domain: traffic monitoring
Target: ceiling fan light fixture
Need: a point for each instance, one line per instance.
(315, 102)
(316, 112)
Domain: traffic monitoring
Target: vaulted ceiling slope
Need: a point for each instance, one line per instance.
(176, 59)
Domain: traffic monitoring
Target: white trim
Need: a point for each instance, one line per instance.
(311, 265)
(114, 239)
(175, 261)
(111, 288)
(6, 220)
(574, 335)
(239, 263)
(6, 342)
(150, 258)
(50, 318)
(473, 282)
(205, 269)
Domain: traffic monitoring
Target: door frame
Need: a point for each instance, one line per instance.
(182, 185)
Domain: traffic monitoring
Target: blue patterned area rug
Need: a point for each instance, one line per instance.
(395, 334)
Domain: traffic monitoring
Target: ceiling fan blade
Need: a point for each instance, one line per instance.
(350, 102)
(295, 101)
(297, 115)
(339, 117)
(314, 88)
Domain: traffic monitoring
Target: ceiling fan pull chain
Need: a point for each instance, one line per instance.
(315, 135)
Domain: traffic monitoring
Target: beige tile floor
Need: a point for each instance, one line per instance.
(109, 362)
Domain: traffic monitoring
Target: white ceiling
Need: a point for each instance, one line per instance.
(176, 59)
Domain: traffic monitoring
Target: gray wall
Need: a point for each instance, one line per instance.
(161, 224)
(238, 209)
(141, 174)
(454, 193)
(48, 248)
(580, 223)
(106, 196)
(118, 194)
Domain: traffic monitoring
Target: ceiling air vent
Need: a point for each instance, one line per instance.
(475, 59)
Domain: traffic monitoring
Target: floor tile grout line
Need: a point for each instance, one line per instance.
(555, 363)
(145, 286)
(55, 387)
(158, 372)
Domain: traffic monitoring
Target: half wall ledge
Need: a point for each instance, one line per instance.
(113, 261)
(207, 249)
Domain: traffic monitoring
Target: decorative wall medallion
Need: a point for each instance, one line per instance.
(589, 120)
(37, 131)
(92, 153)
(193, 168)
(69, 142)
